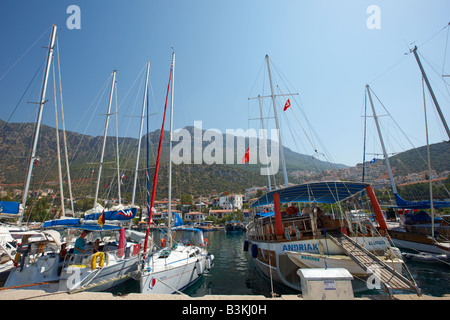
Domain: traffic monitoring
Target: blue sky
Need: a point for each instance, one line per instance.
(323, 48)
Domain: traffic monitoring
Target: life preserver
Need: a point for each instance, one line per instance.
(366, 229)
(163, 243)
(206, 241)
(288, 230)
(95, 256)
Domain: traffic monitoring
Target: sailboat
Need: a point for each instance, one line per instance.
(324, 234)
(417, 232)
(128, 212)
(51, 260)
(173, 258)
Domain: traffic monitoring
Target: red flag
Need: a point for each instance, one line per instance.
(101, 219)
(246, 158)
(287, 105)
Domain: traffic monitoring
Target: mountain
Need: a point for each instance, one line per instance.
(84, 154)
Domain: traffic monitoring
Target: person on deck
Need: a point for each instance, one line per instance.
(80, 243)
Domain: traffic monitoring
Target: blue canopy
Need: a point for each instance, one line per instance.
(319, 192)
(78, 224)
(405, 204)
(9, 207)
(121, 215)
(177, 220)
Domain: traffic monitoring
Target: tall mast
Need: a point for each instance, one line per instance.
(104, 137)
(39, 120)
(69, 182)
(265, 140)
(58, 147)
(170, 153)
(391, 177)
(277, 124)
(155, 176)
(431, 92)
(133, 197)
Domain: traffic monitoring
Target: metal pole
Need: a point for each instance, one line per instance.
(431, 92)
(277, 124)
(104, 137)
(391, 177)
(133, 197)
(169, 210)
(39, 120)
(265, 140)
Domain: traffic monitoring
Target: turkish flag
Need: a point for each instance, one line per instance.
(287, 105)
(246, 157)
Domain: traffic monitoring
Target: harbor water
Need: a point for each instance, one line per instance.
(235, 273)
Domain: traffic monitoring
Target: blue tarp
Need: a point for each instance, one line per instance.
(405, 204)
(265, 214)
(9, 207)
(122, 215)
(177, 221)
(420, 217)
(318, 192)
(62, 222)
(72, 223)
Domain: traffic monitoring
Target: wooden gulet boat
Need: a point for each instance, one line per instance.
(281, 243)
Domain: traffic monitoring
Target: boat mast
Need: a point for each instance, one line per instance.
(277, 124)
(58, 147)
(104, 137)
(69, 182)
(39, 120)
(391, 177)
(265, 141)
(169, 210)
(429, 163)
(133, 197)
(436, 104)
(155, 176)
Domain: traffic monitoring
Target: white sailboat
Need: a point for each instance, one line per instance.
(421, 236)
(175, 257)
(47, 259)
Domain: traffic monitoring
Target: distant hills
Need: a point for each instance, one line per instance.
(84, 154)
(196, 179)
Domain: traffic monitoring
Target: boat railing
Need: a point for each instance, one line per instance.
(109, 256)
(297, 227)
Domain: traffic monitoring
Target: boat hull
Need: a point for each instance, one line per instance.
(272, 258)
(418, 242)
(174, 275)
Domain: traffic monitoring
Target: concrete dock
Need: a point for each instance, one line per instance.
(42, 295)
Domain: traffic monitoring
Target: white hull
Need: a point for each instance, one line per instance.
(422, 247)
(175, 273)
(310, 260)
(284, 270)
(46, 274)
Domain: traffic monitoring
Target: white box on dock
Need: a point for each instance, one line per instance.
(326, 284)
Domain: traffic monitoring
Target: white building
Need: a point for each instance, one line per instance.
(195, 216)
(227, 202)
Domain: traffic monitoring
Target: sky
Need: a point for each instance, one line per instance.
(324, 50)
